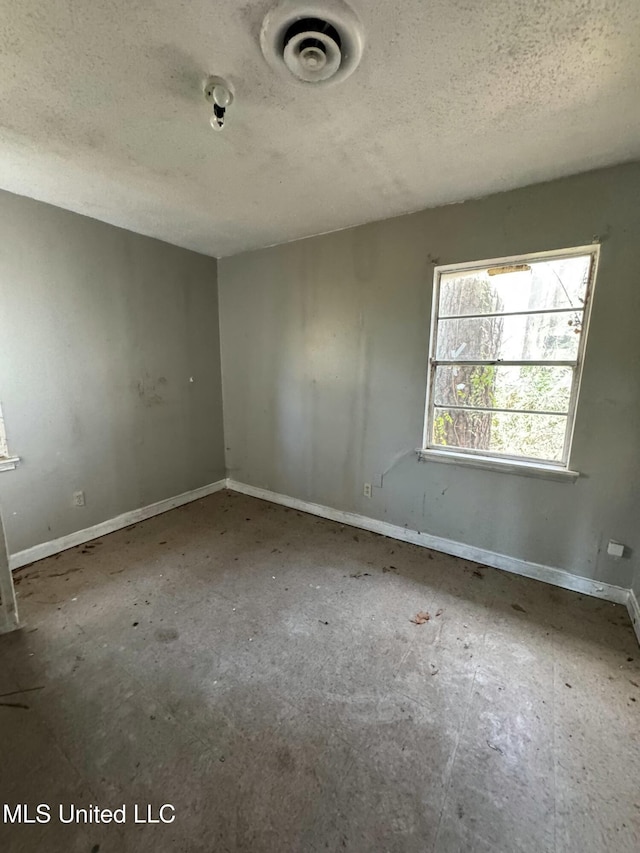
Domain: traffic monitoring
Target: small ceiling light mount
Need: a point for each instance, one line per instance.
(220, 95)
(316, 41)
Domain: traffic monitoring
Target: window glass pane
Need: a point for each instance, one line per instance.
(534, 436)
(526, 337)
(537, 387)
(558, 283)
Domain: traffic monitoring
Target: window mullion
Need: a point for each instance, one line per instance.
(437, 362)
(580, 309)
(445, 406)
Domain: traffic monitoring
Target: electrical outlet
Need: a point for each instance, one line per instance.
(78, 498)
(367, 490)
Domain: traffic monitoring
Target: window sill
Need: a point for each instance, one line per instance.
(8, 463)
(506, 466)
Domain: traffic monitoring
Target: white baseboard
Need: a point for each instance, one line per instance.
(548, 574)
(633, 606)
(47, 549)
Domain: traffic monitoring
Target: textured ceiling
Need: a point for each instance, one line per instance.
(102, 112)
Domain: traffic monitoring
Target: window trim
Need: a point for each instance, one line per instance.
(4, 446)
(7, 462)
(495, 460)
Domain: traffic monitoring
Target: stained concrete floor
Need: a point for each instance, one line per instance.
(257, 669)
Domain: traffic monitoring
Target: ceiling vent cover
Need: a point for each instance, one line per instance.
(317, 42)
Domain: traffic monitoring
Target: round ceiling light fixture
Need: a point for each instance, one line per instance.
(315, 41)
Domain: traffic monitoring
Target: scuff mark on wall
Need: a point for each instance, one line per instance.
(148, 392)
(396, 459)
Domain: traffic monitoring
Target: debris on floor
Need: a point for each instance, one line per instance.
(67, 572)
(519, 608)
(28, 690)
(197, 695)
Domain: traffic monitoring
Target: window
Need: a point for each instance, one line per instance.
(7, 463)
(4, 450)
(507, 342)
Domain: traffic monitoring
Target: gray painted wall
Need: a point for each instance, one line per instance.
(324, 352)
(100, 332)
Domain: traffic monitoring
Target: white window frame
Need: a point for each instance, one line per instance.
(4, 447)
(491, 459)
(7, 462)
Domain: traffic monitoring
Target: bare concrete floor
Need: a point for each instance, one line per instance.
(257, 669)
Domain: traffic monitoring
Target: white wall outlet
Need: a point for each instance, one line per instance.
(367, 490)
(615, 549)
(78, 498)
